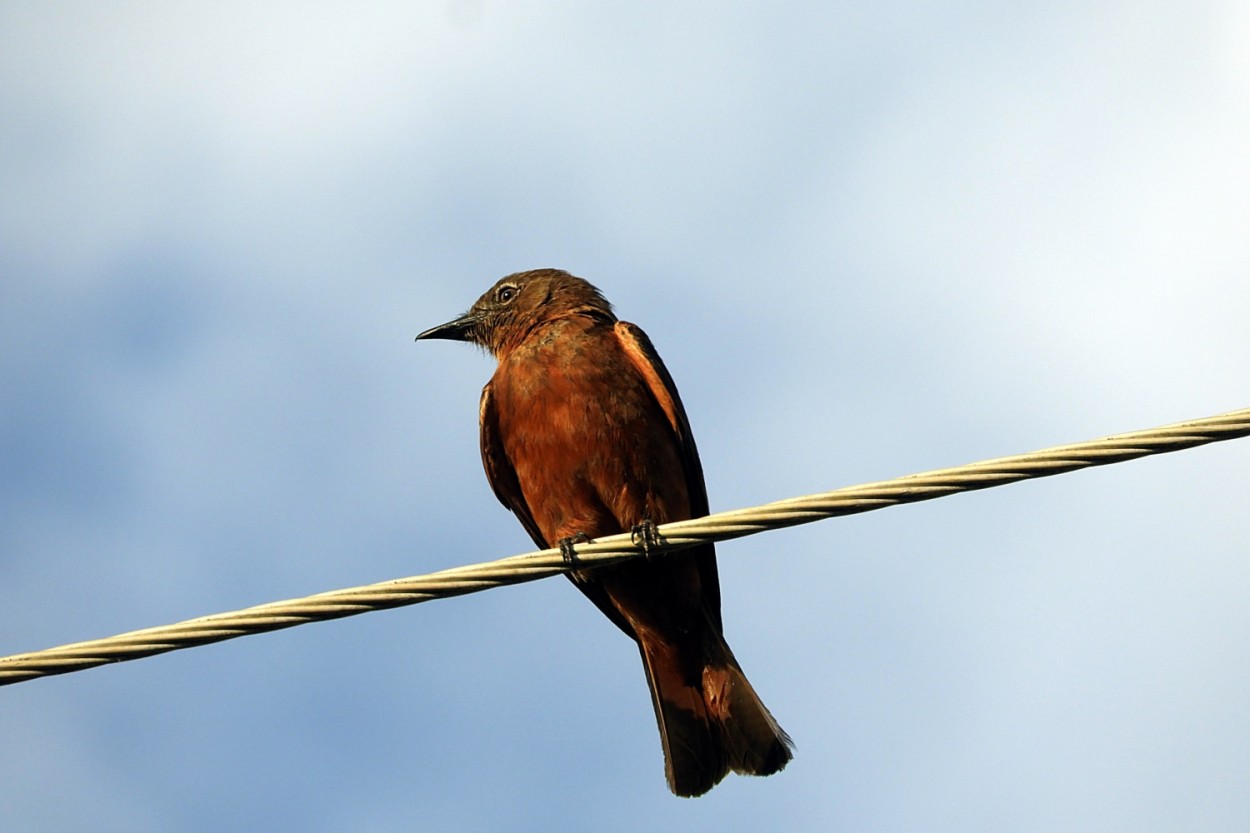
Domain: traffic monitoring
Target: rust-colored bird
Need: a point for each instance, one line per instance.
(583, 435)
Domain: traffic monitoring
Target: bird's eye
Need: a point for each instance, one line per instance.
(505, 293)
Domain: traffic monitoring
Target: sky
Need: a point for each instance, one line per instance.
(869, 239)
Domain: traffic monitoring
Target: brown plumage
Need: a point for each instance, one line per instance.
(583, 435)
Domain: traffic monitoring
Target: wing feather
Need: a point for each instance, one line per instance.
(499, 470)
(642, 354)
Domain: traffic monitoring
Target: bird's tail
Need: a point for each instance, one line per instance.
(711, 720)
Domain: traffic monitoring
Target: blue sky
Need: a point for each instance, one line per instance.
(868, 240)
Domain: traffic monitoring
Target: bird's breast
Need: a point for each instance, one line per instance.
(592, 450)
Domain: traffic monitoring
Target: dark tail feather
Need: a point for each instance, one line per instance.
(710, 722)
(694, 756)
(754, 744)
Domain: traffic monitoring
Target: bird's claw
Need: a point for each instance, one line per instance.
(646, 535)
(566, 547)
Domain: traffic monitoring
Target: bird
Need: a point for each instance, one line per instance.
(583, 435)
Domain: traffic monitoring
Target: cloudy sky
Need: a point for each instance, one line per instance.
(869, 239)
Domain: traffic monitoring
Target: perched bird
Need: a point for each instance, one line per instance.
(583, 435)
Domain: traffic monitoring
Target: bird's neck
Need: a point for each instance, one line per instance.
(572, 323)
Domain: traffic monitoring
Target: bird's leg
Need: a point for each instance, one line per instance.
(645, 534)
(566, 547)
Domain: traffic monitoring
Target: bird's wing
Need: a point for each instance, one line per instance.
(646, 360)
(499, 470)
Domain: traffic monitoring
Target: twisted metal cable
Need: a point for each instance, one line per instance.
(531, 566)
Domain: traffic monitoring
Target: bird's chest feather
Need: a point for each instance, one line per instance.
(575, 397)
(592, 450)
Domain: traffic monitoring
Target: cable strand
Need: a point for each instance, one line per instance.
(532, 566)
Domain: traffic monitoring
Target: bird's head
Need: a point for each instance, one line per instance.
(517, 304)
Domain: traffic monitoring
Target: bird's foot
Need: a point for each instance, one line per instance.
(645, 535)
(566, 547)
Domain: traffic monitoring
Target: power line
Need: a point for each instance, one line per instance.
(531, 566)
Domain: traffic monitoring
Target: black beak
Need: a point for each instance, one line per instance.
(461, 329)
